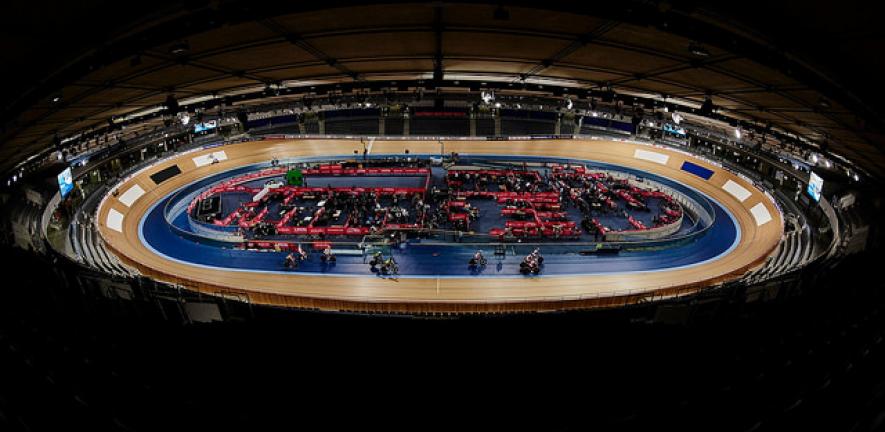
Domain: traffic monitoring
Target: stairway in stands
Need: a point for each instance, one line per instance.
(793, 252)
(89, 246)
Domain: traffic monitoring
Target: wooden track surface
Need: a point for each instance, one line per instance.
(467, 294)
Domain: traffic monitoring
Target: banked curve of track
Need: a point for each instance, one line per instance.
(758, 218)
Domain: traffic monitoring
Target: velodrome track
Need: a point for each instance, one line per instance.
(758, 236)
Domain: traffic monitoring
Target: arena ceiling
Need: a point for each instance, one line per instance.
(658, 49)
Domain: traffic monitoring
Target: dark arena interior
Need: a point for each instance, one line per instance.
(557, 216)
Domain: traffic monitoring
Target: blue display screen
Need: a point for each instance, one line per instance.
(673, 129)
(200, 127)
(815, 185)
(65, 182)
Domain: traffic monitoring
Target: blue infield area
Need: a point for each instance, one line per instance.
(417, 259)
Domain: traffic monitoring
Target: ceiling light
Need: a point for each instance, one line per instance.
(179, 48)
(676, 117)
(698, 50)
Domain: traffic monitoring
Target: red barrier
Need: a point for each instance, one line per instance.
(563, 232)
(520, 224)
(509, 211)
(283, 246)
(532, 199)
(335, 230)
(303, 190)
(337, 170)
(639, 226)
(672, 213)
(492, 172)
(401, 226)
(599, 227)
(227, 220)
(601, 187)
(552, 215)
(628, 198)
(244, 223)
(331, 230)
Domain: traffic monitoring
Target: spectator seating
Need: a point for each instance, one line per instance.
(485, 126)
(88, 245)
(520, 122)
(439, 126)
(794, 252)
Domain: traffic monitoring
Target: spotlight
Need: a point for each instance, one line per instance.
(56, 99)
(737, 133)
(179, 48)
(698, 50)
(676, 118)
(568, 104)
(497, 104)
